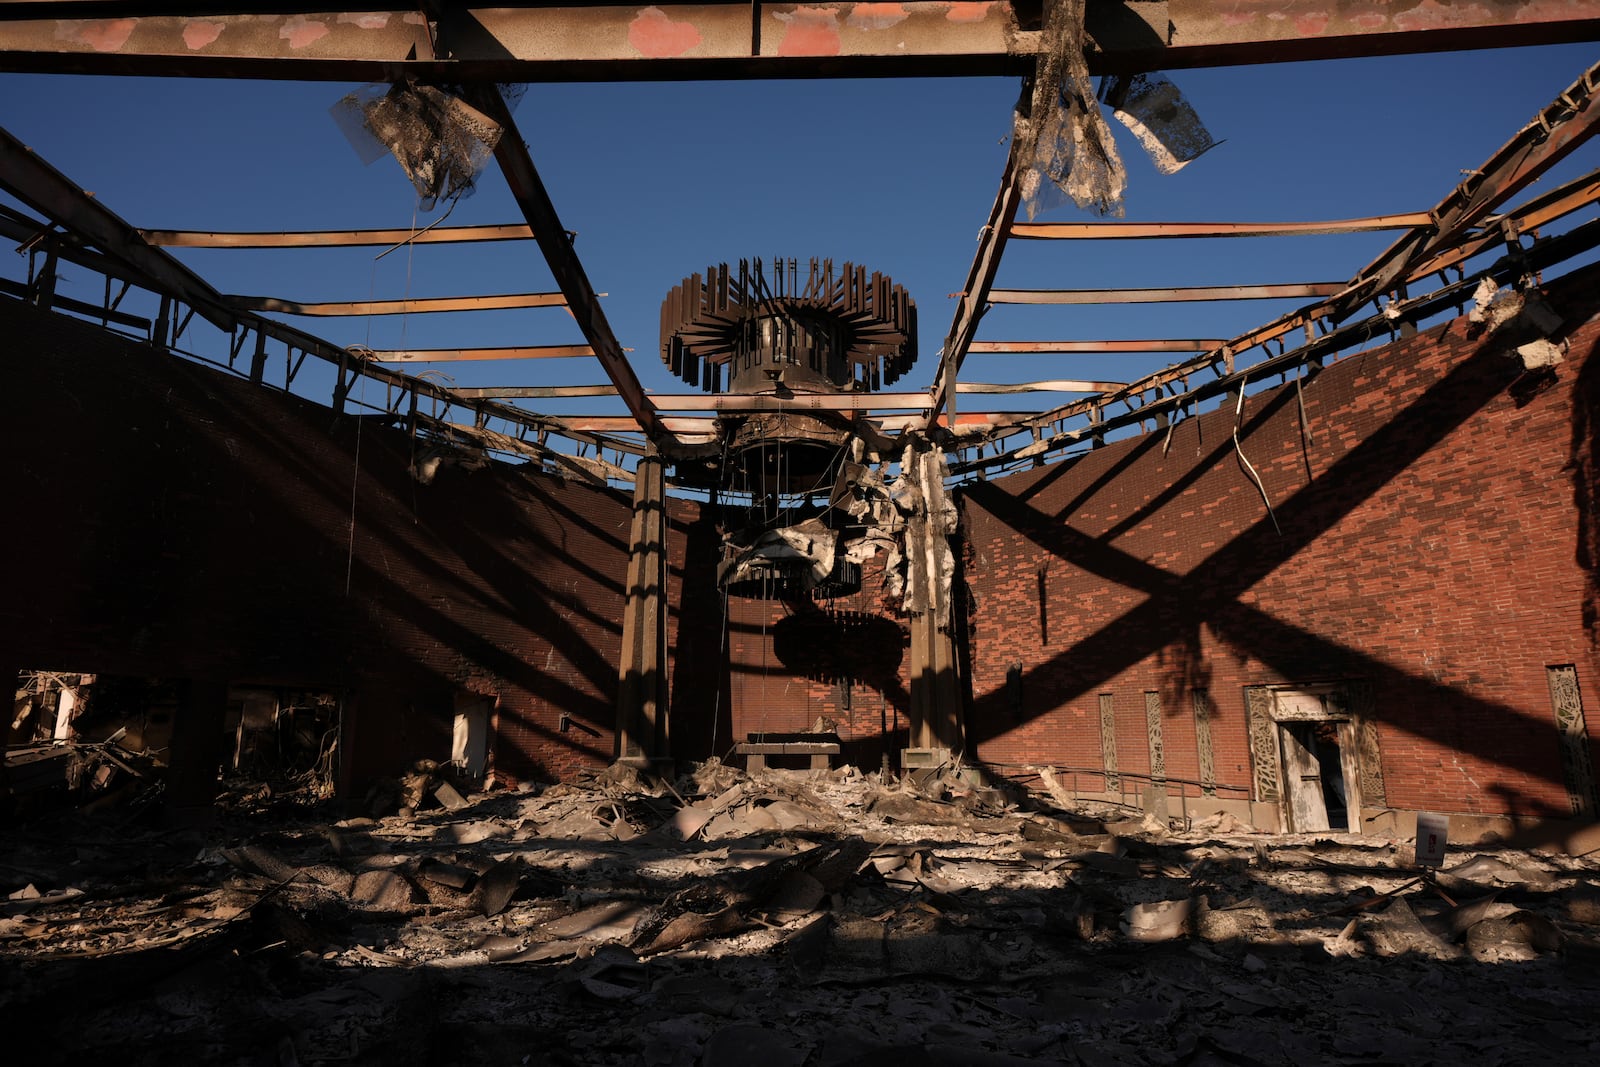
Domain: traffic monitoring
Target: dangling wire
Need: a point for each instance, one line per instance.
(355, 474)
(1238, 412)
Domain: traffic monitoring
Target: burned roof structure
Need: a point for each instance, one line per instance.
(818, 467)
(578, 707)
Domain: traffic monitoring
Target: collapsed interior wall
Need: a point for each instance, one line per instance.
(1423, 568)
(173, 521)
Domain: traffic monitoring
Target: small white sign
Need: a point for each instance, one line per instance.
(1432, 832)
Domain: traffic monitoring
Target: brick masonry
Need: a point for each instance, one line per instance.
(1435, 536)
(1438, 541)
(164, 519)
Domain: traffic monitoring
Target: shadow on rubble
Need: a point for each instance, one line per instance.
(835, 919)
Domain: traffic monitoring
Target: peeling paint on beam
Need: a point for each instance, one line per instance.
(598, 41)
(1100, 231)
(1161, 296)
(573, 42)
(335, 238)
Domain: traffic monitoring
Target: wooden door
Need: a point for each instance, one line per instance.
(1302, 780)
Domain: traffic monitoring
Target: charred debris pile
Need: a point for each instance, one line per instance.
(786, 917)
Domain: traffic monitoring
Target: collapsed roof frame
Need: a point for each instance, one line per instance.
(475, 47)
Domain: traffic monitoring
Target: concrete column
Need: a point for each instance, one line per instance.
(197, 750)
(642, 678)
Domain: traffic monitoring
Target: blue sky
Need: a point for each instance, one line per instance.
(661, 179)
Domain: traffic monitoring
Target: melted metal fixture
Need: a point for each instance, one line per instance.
(793, 337)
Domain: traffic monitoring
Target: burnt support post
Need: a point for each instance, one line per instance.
(197, 749)
(642, 679)
(935, 696)
(930, 576)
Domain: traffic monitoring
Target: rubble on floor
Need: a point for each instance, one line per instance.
(785, 918)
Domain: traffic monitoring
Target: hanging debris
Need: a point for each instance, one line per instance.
(1161, 118)
(440, 141)
(1064, 141)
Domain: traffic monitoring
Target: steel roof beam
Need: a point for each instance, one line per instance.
(980, 276)
(414, 306)
(1164, 296)
(609, 41)
(458, 355)
(1099, 348)
(527, 188)
(1101, 231)
(50, 193)
(335, 238)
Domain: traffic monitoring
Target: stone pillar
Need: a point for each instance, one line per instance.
(642, 678)
(197, 750)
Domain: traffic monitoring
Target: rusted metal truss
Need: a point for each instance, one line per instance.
(974, 300)
(49, 192)
(1555, 132)
(591, 41)
(73, 221)
(1153, 400)
(478, 46)
(1460, 227)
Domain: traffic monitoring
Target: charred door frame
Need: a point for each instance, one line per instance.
(1347, 703)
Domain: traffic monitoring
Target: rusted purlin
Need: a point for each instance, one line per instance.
(532, 392)
(1101, 231)
(53, 195)
(1055, 385)
(413, 306)
(1545, 254)
(458, 355)
(556, 245)
(602, 41)
(1166, 344)
(1162, 296)
(517, 231)
(1555, 132)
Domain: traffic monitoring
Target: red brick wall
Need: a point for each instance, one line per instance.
(789, 662)
(164, 519)
(1430, 545)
